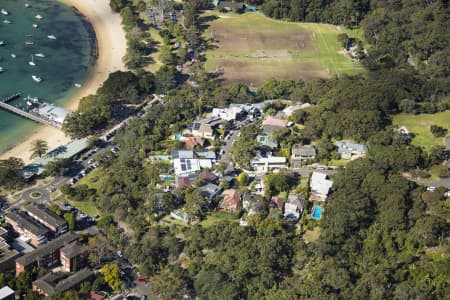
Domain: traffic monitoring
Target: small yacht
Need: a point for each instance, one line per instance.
(1, 69)
(27, 5)
(13, 55)
(36, 78)
(77, 85)
(31, 62)
(7, 21)
(2, 43)
(28, 35)
(29, 43)
(4, 12)
(35, 25)
(38, 17)
(40, 55)
(52, 37)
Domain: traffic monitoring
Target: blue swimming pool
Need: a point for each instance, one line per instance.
(317, 212)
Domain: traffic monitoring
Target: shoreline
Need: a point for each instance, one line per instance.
(106, 27)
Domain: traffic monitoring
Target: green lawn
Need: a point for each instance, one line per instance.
(291, 50)
(419, 126)
(217, 217)
(88, 207)
(155, 55)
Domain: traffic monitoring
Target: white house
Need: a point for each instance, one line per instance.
(270, 163)
(320, 187)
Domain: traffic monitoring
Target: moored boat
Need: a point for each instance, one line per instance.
(35, 25)
(29, 43)
(2, 43)
(4, 12)
(13, 55)
(40, 55)
(36, 78)
(38, 17)
(32, 63)
(52, 37)
(1, 69)
(7, 21)
(27, 5)
(77, 85)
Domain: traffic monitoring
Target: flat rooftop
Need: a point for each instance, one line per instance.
(45, 215)
(27, 223)
(46, 249)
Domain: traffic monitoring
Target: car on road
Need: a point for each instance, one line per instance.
(431, 188)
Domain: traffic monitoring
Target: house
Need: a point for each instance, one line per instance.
(210, 190)
(193, 141)
(186, 166)
(183, 181)
(231, 6)
(206, 154)
(23, 224)
(93, 295)
(204, 128)
(178, 154)
(320, 187)
(74, 256)
(207, 176)
(47, 218)
(231, 199)
(349, 150)
(266, 164)
(301, 153)
(294, 207)
(7, 293)
(276, 202)
(45, 256)
(267, 141)
(59, 282)
(271, 121)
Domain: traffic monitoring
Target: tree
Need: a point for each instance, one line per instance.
(166, 56)
(38, 148)
(11, 172)
(242, 179)
(195, 202)
(111, 272)
(169, 284)
(71, 220)
(117, 5)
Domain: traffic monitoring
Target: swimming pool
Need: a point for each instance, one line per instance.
(317, 212)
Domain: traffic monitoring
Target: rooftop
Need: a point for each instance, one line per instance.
(54, 113)
(44, 214)
(320, 183)
(27, 223)
(6, 291)
(344, 146)
(305, 151)
(181, 154)
(67, 151)
(51, 282)
(271, 121)
(46, 249)
(74, 249)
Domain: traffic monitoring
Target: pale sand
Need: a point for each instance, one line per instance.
(111, 49)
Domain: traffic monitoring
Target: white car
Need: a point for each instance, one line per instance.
(431, 188)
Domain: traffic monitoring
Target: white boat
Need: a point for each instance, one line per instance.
(27, 5)
(38, 17)
(52, 37)
(36, 78)
(40, 55)
(2, 43)
(29, 103)
(13, 55)
(1, 69)
(32, 63)
(35, 25)
(4, 12)
(77, 85)
(7, 21)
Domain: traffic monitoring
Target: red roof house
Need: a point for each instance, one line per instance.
(231, 199)
(271, 121)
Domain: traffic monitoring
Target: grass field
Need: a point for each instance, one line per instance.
(251, 48)
(419, 126)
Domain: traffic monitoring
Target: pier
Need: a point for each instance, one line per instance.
(10, 98)
(22, 113)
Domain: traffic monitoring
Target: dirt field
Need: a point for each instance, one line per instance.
(251, 48)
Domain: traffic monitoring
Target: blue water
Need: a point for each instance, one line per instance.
(68, 59)
(317, 212)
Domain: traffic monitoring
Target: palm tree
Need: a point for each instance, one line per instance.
(39, 147)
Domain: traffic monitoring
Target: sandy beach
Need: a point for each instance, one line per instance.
(111, 48)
